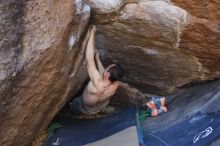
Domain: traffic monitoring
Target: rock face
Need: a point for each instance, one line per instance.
(41, 63)
(162, 44)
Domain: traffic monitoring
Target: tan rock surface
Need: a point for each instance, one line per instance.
(201, 37)
(207, 9)
(162, 46)
(41, 63)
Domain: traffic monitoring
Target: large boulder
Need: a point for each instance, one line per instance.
(162, 44)
(41, 63)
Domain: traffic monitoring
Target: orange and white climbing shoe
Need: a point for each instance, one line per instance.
(156, 105)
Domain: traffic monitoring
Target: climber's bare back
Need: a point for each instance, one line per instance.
(93, 95)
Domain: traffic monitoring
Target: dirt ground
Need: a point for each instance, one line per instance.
(39, 141)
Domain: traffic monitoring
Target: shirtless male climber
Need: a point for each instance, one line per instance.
(102, 85)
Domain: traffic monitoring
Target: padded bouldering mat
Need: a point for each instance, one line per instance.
(78, 132)
(197, 130)
(126, 137)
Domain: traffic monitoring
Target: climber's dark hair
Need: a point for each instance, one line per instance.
(116, 72)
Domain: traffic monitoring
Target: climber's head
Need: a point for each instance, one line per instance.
(113, 72)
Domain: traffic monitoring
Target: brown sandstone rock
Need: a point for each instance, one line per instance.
(201, 37)
(207, 9)
(41, 63)
(162, 46)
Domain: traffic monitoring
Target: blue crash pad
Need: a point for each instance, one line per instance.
(78, 132)
(198, 130)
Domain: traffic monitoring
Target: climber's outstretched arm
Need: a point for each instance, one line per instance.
(94, 74)
(99, 63)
